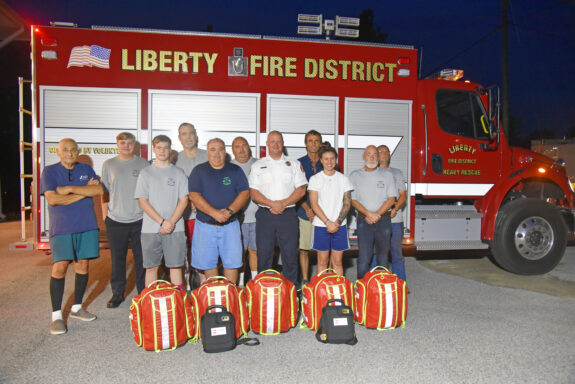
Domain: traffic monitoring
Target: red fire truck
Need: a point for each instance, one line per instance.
(467, 188)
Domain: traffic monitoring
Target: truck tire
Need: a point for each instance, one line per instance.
(530, 237)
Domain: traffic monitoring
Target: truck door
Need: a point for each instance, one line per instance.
(461, 157)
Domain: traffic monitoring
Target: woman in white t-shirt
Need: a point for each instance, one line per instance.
(330, 198)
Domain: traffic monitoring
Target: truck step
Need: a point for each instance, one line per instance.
(450, 245)
(441, 212)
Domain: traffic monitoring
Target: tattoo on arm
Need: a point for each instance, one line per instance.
(346, 206)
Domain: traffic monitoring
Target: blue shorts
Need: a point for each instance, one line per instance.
(211, 242)
(324, 241)
(249, 236)
(75, 246)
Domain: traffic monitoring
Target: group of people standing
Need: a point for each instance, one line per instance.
(205, 211)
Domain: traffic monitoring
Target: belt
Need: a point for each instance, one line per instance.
(216, 224)
(268, 208)
(388, 213)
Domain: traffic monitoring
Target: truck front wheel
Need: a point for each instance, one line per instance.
(530, 237)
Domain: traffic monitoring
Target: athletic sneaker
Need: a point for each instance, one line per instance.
(57, 327)
(83, 315)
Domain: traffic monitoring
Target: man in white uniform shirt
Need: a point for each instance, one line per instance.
(276, 184)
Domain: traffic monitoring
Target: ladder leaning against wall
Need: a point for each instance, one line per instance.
(26, 149)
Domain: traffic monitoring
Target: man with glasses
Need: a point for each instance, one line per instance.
(373, 196)
(68, 187)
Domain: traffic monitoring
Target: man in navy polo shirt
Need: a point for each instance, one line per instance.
(68, 187)
(311, 166)
(219, 190)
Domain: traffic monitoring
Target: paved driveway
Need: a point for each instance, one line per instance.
(468, 322)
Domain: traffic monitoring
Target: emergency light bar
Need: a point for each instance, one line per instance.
(447, 74)
(310, 19)
(308, 30)
(63, 24)
(327, 26)
(347, 21)
(346, 32)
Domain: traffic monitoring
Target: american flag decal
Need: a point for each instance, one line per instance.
(90, 56)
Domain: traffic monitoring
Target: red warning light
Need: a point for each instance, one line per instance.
(49, 41)
(403, 61)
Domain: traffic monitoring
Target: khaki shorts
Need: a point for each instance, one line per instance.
(305, 233)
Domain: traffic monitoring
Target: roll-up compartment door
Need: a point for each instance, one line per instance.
(294, 115)
(214, 114)
(93, 117)
(379, 122)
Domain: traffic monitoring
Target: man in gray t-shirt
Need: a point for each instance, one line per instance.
(123, 215)
(373, 195)
(162, 190)
(188, 159)
(243, 158)
(397, 260)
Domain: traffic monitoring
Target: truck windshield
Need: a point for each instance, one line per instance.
(461, 113)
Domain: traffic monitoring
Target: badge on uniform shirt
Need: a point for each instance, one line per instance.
(288, 163)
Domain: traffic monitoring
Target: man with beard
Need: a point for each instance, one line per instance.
(373, 196)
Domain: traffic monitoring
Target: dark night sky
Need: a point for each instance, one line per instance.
(450, 33)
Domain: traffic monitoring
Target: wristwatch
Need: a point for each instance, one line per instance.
(230, 211)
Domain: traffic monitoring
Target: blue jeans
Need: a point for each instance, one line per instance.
(372, 238)
(397, 261)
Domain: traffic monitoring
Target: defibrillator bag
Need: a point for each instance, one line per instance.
(336, 325)
(218, 329)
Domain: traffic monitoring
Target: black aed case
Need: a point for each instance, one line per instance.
(336, 325)
(218, 330)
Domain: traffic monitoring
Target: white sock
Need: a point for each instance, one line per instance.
(254, 273)
(57, 315)
(241, 282)
(76, 307)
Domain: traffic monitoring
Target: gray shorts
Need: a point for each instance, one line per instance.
(249, 236)
(172, 247)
